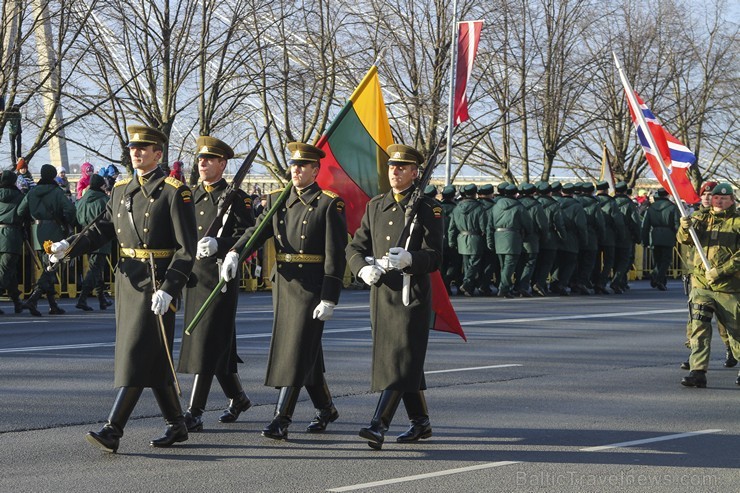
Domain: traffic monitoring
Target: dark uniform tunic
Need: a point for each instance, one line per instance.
(467, 233)
(161, 220)
(310, 233)
(658, 230)
(92, 203)
(211, 347)
(400, 333)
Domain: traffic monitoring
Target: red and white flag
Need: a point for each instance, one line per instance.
(467, 47)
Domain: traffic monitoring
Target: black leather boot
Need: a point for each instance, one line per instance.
(416, 407)
(109, 437)
(82, 301)
(695, 378)
(386, 408)
(198, 400)
(17, 303)
(54, 308)
(278, 428)
(730, 360)
(238, 399)
(325, 411)
(30, 302)
(169, 403)
(103, 300)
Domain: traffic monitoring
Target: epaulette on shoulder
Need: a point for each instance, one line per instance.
(171, 180)
(330, 194)
(279, 190)
(377, 197)
(121, 182)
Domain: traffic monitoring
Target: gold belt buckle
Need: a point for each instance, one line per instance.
(288, 257)
(132, 251)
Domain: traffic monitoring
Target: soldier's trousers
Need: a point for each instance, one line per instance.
(451, 266)
(46, 280)
(9, 263)
(508, 271)
(490, 262)
(93, 279)
(566, 266)
(545, 261)
(662, 256)
(622, 266)
(603, 266)
(704, 304)
(525, 270)
(472, 265)
(586, 261)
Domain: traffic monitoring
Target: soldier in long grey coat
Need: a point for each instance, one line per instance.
(400, 332)
(310, 233)
(152, 217)
(210, 349)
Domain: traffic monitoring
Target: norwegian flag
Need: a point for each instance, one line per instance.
(676, 156)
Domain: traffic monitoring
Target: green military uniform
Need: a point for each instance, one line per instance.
(554, 232)
(569, 246)
(11, 237)
(658, 230)
(595, 223)
(716, 291)
(613, 236)
(466, 233)
(624, 250)
(532, 242)
(210, 349)
(89, 207)
(451, 269)
(490, 267)
(508, 224)
(52, 217)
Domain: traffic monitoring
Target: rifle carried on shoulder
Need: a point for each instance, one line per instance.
(231, 193)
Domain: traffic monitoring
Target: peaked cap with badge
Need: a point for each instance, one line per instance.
(301, 153)
(399, 155)
(141, 135)
(207, 146)
(723, 189)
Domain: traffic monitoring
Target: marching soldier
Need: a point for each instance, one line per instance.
(451, 261)
(400, 331)
(310, 233)
(92, 203)
(554, 232)
(210, 350)
(613, 236)
(590, 247)
(658, 230)
(532, 242)
(152, 218)
(574, 218)
(11, 237)
(466, 233)
(714, 291)
(489, 261)
(51, 216)
(624, 250)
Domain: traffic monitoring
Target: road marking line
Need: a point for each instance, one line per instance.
(56, 348)
(649, 440)
(573, 317)
(470, 369)
(417, 477)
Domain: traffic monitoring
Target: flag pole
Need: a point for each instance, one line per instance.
(451, 108)
(651, 141)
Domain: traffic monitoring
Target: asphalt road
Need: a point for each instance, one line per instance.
(559, 394)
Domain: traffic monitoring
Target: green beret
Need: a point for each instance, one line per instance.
(430, 191)
(301, 153)
(723, 189)
(620, 187)
(527, 188)
(602, 185)
(141, 135)
(399, 154)
(448, 191)
(486, 189)
(207, 146)
(470, 189)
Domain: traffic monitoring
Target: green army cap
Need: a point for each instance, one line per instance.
(448, 191)
(502, 186)
(301, 154)
(527, 188)
(207, 146)
(556, 186)
(399, 155)
(620, 187)
(142, 136)
(430, 191)
(470, 189)
(587, 187)
(602, 185)
(723, 189)
(509, 189)
(569, 188)
(486, 189)
(543, 187)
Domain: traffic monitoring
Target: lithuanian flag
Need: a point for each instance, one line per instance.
(355, 165)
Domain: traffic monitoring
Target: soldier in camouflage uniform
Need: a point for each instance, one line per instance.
(466, 232)
(658, 230)
(715, 291)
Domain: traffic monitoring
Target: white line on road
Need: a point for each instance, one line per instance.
(447, 472)
(470, 369)
(649, 440)
(572, 317)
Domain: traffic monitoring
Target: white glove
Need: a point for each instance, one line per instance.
(370, 274)
(207, 247)
(229, 267)
(324, 310)
(399, 258)
(161, 302)
(58, 251)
